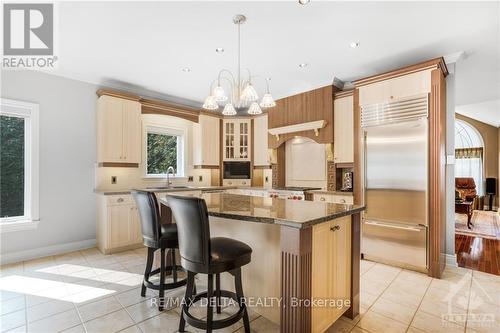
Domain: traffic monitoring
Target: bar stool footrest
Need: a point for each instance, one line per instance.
(171, 285)
(216, 324)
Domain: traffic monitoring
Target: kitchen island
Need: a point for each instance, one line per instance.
(304, 272)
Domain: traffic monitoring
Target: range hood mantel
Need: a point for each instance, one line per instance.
(309, 126)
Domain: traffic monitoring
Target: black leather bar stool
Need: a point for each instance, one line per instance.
(157, 236)
(201, 254)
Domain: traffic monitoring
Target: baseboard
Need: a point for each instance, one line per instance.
(451, 260)
(46, 251)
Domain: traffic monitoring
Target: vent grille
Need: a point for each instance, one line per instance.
(401, 110)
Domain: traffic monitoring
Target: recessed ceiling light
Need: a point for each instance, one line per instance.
(302, 65)
(219, 50)
(186, 69)
(353, 45)
(304, 2)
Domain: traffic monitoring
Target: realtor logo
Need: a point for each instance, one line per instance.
(28, 29)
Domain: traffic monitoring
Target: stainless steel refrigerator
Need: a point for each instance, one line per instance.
(395, 223)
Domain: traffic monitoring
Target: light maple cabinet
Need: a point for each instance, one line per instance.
(261, 152)
(118, 130)
(206, 141)
(343, 132)
(400, 87)
(334, 198)
(118, 223)
(237, 139)
(331, 269)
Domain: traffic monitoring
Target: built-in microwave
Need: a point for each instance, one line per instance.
(236, 170)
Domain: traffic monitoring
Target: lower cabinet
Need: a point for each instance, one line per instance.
(334, 198)
(118, 224)
(331, 269)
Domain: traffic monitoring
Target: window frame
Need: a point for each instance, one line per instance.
(30, 113)
(181, 149)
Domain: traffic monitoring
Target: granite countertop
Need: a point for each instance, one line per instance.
(293, 213)
(330, 192)
(166, 190)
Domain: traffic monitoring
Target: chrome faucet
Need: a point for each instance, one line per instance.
(170, 170)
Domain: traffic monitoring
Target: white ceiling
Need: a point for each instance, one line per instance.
(144, 45)
(487, 112)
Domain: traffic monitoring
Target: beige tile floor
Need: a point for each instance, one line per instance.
(86, 291)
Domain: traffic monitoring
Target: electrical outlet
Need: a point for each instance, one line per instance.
(113, 179)
(190, 178)
(200, 178)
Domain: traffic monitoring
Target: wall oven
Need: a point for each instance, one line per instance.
(236, 170)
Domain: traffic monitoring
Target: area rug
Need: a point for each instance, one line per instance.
(486, 224)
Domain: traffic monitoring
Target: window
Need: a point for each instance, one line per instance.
(165, 148)
(469, 153)
(18, 165)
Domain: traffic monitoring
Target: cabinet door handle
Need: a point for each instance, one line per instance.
(335, 228)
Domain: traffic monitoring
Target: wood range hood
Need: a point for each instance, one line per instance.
(309, 126)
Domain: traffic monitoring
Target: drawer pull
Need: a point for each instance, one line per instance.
(335, 228)
(322, 199)
(342, 200)
(119, 200)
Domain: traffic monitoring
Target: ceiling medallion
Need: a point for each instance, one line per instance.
(242, 94)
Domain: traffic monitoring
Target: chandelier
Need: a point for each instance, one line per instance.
(242, 94)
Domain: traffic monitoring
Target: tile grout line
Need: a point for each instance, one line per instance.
(468, 301)
(419, 304)
(378, 297)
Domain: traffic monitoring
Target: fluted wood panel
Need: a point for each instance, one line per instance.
(296, 279)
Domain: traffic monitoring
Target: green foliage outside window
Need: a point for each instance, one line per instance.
(162, 153)
(11, 166)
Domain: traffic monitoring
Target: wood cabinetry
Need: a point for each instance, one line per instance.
(399, 87)
(334, 198)
(118, 223)
(261, 152)
(206, 142)
(118, 130)
(343, 121)
(331, 267)
(236, 140)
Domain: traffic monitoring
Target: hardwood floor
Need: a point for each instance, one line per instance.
(478, 253)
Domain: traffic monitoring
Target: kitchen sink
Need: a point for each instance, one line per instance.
(167, 187)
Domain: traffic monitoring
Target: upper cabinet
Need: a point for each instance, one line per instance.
(118, 130)
(261, 156)
(236, 139)
(399, 87)
(343, 120)
(206, 141)
(303, 108)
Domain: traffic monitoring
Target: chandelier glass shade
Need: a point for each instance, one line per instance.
(241, 94)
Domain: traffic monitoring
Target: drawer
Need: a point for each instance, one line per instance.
(343, 199)
(119, 199)
(236, 182)
(323, 197)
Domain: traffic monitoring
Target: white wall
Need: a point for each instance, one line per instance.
(450, 168)
(67, 155)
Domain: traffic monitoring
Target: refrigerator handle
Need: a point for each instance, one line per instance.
(379, 224)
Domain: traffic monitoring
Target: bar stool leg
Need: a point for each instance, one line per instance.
(217, 292)
(162, 280)
(187, 299)
(239, 294)
(174, 265)
(147, 271)
(210, 311)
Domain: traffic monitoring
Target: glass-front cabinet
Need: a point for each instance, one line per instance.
(237, 139)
